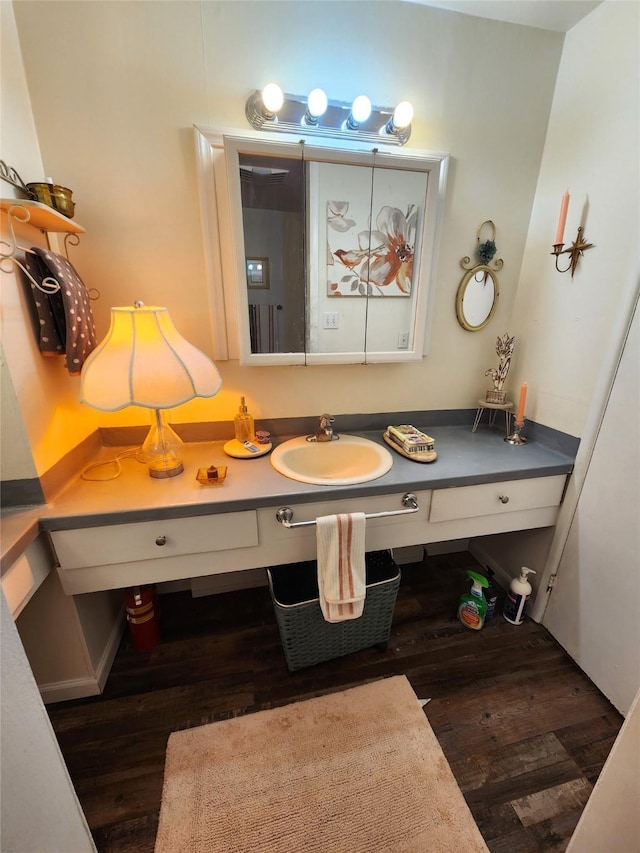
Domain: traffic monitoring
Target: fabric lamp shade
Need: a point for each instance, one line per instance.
(144, 361)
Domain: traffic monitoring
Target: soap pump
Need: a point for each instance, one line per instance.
(243, 424)
(519, 594)
(473, 606)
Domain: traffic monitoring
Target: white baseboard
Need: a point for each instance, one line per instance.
(452, 547)
(502, 576)
(109, 652)
(74, 688)
(80, 688)
(228, 582)
(408, 554)
(174, 586)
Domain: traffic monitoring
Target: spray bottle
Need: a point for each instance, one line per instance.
(519, 594)
(473, 606)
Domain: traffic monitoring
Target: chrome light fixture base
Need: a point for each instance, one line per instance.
(333, 123)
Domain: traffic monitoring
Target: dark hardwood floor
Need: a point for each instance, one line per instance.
(524, 730)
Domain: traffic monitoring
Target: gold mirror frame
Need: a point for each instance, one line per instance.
(462, 288)
(484, 251)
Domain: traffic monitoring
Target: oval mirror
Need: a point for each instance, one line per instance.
(477, 298)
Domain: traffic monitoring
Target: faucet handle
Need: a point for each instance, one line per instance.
(326, 420)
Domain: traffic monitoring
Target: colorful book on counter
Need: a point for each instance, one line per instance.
(410, 438)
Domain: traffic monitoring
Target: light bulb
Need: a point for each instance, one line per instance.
(403, 115)
(317, 103)
(361, 109)
(272, 97)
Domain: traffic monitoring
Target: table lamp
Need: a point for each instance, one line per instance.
(144, 361)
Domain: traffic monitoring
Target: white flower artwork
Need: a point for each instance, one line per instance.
(363, 261)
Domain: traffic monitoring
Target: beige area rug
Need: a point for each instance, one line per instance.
(358, 771)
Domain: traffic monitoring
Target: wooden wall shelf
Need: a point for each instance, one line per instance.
(44, 217)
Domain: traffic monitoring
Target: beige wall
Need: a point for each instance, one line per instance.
(42, 418)
(563, 325)
(16, 459)
(571, 333)
(114, 116)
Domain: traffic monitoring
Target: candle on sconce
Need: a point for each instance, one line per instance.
(521, 404)
(562, 220)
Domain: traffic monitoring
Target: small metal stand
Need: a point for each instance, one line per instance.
(493, 409)
(516, 437)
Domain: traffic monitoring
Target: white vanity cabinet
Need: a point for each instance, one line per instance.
(70, 642)
(114, 556)
(124, 555)
(497, 507)
(81, 602)
(24, 577)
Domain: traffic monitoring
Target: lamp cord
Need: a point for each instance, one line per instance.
(136, 454)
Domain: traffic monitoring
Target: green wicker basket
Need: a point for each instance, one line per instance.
(307, 638)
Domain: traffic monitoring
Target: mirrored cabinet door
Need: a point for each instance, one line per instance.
(327, 255)
(272, 193)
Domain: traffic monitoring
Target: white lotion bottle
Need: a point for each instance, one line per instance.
(519, 594)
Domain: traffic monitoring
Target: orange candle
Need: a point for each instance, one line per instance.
(564, 207)
(521, 402)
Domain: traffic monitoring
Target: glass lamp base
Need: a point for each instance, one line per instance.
(162, 449)
(164, 473)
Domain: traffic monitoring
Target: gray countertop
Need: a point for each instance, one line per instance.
(464, 458)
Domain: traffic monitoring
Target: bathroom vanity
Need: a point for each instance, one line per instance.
(95, 539)
(134, 530)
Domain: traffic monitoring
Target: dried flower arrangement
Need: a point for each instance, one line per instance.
(504, 350)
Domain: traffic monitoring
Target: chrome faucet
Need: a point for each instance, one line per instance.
(325, 431)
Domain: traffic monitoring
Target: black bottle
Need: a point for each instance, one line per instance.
(491, 595)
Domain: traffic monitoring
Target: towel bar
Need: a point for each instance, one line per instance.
(285, 514)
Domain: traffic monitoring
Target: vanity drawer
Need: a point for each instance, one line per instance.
(151, 540)
(494, 498)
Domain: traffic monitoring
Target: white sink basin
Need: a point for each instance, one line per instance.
(348, 460)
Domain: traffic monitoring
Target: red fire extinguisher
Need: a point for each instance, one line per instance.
(141, 605)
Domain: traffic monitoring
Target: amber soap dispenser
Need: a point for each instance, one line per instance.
(243, 424)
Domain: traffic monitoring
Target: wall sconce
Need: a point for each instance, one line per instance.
(578, 247)
(144, 361)
(271, 110)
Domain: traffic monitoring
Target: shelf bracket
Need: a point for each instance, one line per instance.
(8, 259)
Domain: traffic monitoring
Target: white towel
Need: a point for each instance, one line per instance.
(341, 565)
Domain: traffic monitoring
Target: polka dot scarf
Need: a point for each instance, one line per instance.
(64, 318)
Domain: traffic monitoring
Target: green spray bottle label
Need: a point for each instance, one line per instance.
(473, 606)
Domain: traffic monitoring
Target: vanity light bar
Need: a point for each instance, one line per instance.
(271, 110)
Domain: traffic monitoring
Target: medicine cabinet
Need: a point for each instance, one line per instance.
(318, 254)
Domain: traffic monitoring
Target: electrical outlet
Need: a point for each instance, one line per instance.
(330, 320)
(403, 340)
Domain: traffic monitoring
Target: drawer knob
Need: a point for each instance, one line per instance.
(161, 540)
(504, 499)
